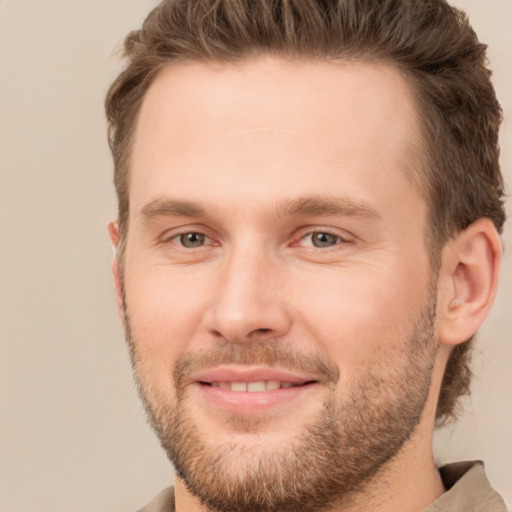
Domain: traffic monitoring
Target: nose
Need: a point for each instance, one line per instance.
(248, 302)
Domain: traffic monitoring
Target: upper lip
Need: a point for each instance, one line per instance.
(250, 374)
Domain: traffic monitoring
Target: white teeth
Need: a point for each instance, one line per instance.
(238, 386)
(259, 386)
(256, 386)
(273, 385)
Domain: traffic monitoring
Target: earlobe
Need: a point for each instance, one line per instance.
(468, 281)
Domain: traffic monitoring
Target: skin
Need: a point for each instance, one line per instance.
(245, 144)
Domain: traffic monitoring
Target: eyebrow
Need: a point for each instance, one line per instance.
(171, 208)
(313, 206)
(300, 207)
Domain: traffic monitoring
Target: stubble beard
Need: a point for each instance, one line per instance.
(335, 457)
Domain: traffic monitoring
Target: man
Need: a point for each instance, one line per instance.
(310, 204)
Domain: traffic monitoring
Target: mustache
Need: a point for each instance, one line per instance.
(263, 353)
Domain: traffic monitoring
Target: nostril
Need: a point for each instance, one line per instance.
(263, 332)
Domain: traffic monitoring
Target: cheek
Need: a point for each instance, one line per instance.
(361, 319)
(164, 313)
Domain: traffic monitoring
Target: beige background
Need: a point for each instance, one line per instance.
(72, 435)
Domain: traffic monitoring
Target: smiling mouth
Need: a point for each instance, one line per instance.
(255, 387)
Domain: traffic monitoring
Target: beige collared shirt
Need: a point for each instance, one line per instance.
(467, 490)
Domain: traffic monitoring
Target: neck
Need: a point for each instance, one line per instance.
(409, 483)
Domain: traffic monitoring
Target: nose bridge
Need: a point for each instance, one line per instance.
(248, 300)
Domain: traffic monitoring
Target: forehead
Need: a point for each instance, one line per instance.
(270, 123)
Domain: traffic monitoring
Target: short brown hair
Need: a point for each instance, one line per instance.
(429, 41)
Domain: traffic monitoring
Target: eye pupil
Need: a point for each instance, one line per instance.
(192, 240)
(323, 239)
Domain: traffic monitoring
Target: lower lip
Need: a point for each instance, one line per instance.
(246, 402)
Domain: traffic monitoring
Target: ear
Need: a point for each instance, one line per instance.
(113, 231)
(468, 281)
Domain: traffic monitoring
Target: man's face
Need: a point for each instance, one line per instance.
(277, 286)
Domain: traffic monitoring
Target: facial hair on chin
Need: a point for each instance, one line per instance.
(334, 457)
